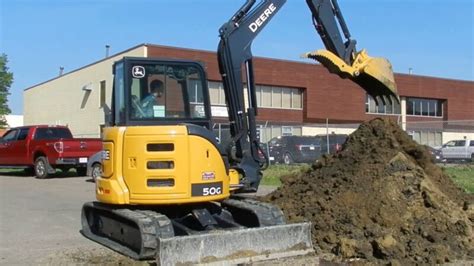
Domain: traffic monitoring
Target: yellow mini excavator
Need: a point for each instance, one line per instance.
(168, 189)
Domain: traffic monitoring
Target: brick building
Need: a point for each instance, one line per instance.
(295, 98)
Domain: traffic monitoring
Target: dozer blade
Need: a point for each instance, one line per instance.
(237, 246)
(373, 74)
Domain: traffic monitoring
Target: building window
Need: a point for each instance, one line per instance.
(430, 138)
(267, 96)
(195, 91)
(276, 97)
(424, 107)
(216, 92)
(372, 107)
(102, 94)
(286, 101)
(272, 131)
(279, 97)
(286, 131)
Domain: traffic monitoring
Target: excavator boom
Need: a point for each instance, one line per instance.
(233, 52)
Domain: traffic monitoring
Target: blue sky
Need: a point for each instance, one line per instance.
(433, 37)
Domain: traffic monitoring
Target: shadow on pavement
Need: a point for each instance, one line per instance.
(29, 173)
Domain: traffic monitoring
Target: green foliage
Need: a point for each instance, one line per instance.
(6, 79)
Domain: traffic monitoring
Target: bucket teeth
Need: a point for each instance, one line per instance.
(333, 63)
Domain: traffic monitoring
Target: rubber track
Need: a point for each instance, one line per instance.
(151, 225)
(266, 214)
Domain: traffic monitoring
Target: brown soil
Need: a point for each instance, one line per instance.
(381, 199)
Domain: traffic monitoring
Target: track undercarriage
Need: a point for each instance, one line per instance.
(235, 228)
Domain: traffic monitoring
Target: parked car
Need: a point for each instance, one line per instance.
(436, 154)
(458, 150)
(44, 148)
(294, 149)
(94, 166)
(335, 142)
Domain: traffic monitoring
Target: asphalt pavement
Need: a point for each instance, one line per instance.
(40, 221)
(40, 217)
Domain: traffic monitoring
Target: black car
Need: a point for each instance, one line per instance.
(335, 142)
(436, 154)
(294, 149)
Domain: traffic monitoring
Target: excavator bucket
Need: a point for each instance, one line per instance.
(374, 75)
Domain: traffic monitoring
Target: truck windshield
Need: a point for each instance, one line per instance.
(166, 92)
(52, 133)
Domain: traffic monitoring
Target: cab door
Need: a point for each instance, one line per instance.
(19, 148)
(7, 153)
(459, 149)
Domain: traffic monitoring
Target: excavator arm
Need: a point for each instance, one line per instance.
(235, 59)
(374, 75)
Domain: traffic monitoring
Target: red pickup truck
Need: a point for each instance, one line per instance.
(44, 148)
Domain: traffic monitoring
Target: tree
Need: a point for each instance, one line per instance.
(6, 79)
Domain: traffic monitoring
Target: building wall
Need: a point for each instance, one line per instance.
(14, 120)
(325, 96)
(448, 136)
(322, 130)
(459, 93)
(73, 99)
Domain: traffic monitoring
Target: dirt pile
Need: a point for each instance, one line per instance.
(381, 199)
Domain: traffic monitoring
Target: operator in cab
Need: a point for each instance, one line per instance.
(153, 104)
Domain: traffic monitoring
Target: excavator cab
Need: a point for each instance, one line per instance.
(374, 75)
(160, 92)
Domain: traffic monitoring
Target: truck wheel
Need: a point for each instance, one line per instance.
(472, 158)
(81, 171)
(96, 171)
(41, 167)
(287, 159)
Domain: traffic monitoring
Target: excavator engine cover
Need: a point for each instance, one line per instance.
(373, 74)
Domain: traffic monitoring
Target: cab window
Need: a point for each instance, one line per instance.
(460, 143)
(23, 133)
(10, 135)
(159, 91)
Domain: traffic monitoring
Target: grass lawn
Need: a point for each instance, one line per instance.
(271, 176)
(463, 175)
(11, 171)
